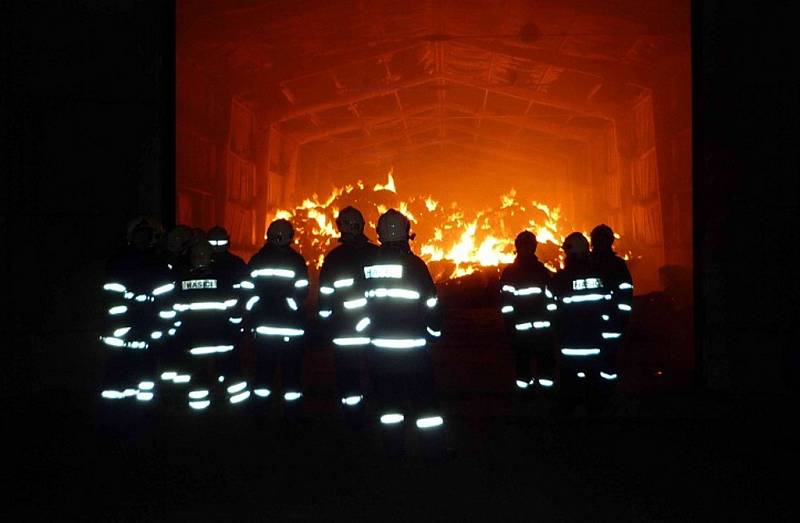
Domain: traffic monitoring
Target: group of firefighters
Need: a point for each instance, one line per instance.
(181, 308)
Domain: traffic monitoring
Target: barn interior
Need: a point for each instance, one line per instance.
(673, 122)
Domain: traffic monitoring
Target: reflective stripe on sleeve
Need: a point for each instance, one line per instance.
(624, 307)
(268, 330)
(325, 313)
(163, 289)
(326, 290)
(291, 303)
(611, 335)
(407, 343)
(114, 287)
(362, 324)
(345, 282)
(352, 341)
(301, 283)
(435, 334)
(580, 352)
(272, 272)
(432, 302)
(405, 294)
(505, 309)
(355, 304)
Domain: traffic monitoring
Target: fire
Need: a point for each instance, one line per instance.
(453, 241)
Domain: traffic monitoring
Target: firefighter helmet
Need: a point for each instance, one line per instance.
(602, 237)
(393, 226)
(178, 239)
(144, 231)
(576, 244)
(219, 238)
(525, 242)
(350, 221)
(280, 232)
(200, 255)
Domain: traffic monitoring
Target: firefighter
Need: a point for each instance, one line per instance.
(528, 309)
(205, 306)
(177, 245)
(582, 299)
(276, 315)
(136, 280)
(342, 281)
(403, 311)
(614, 272)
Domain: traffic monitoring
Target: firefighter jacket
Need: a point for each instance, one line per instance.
(614, 272)
(204, 311)
(401, 300)
(583, 301)
(276, 309)
(234, 269)
(137, 283)
(526, 301)
(341, 284)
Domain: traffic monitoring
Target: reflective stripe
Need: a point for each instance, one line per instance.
(235, 321)
(169, 375)
(552, 306)
(579, 352)
(146, 385)
(198, 394)
(393, 293)
(391, 419)
(113, 342)
(279, 331)
(262, 393)
(167, 315)
(408, 343)
(279, 273)
(233, 389)
(230, 303)
(541, 324)
(528, 291)
(362, 324)
(291, 303)
(523, 326)
(522, 384)
(112, 395)
(625, 286)
(178, 323)
(144, 396)
(199, 405)
(432, 302)
(624, 307)
(128, 295)
(122, 331)
(346, 282)
(119, 309)
(429, 422)
(544, 382)
(221, 379)
(246, 284)
(346, 342)
(158, 291)
(383, 271)
(586, 297)
(182, 378)
(508, 288)
(137, 345)
(325, 314)
(609, 377)
(606, 317)
(299, 284)
(505, 309)
(171, 332)
(326, 290)
(611, 335)
(355, 304)
(114, 287)
(141, 297)
(238, 398)
(210, 349)
(434, 333)
(292, 396)
(156, 335)
(218, 243)
(581, 374)
(205, 306)
(252, 301)
(548, 293)
(350, 401)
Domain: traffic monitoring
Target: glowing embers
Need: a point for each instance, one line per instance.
(403, 294)
(272, 272)
(114, 287)
(268, 330)
(383, 271)
(352, 401)
(429, 422)
(392, 418)
(581, 298)
(586, 283)
(580, 352)
(401, 343)
(212, 349)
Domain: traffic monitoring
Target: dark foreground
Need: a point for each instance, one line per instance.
(659, 454)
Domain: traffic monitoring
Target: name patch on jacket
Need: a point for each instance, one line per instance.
(198, 284)
(586, 283)
(383, 271)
